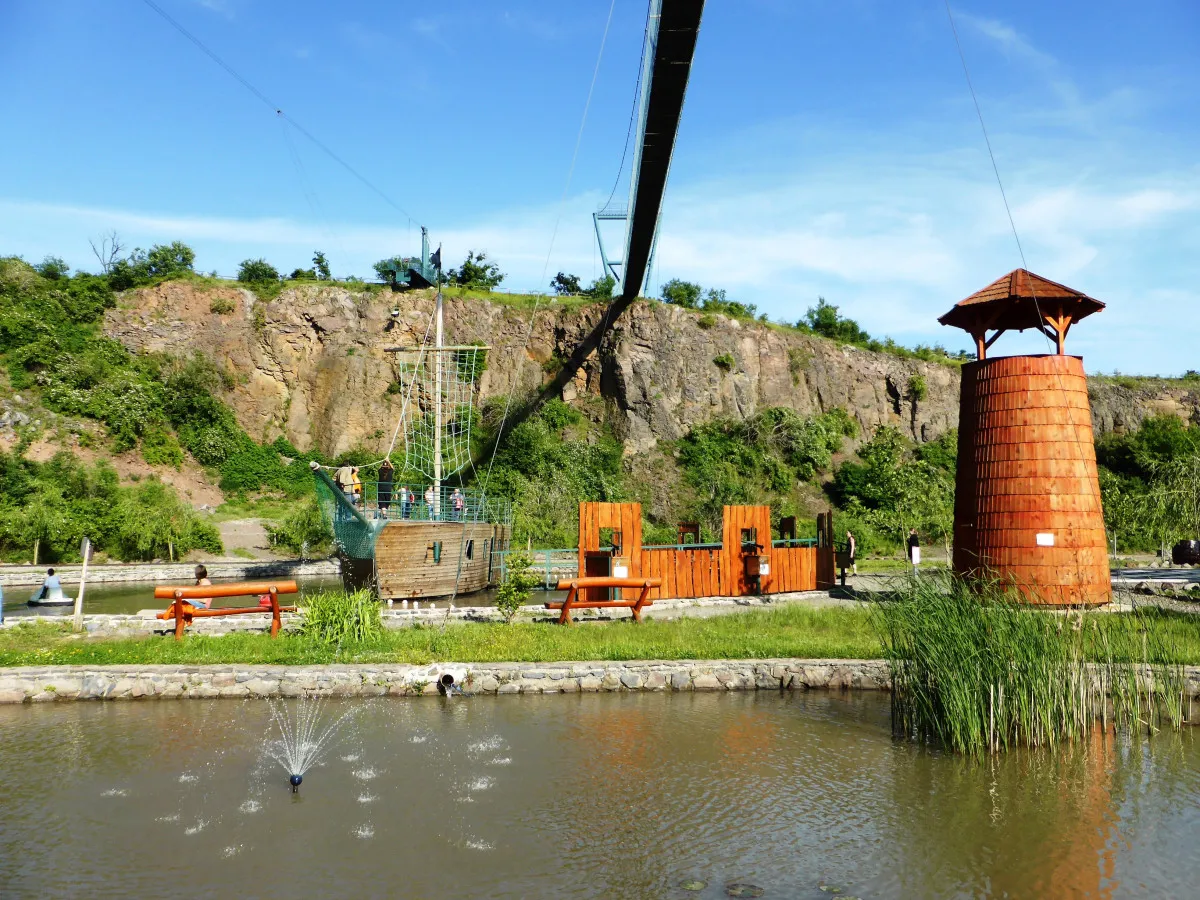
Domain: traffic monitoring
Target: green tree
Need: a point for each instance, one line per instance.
(601, 288)
(303, 274)
(53, 267)
(170, 260)
(321, 265)
(257, 271)
(477, 272)
(682, 293)
(824, 319)
(563, 283)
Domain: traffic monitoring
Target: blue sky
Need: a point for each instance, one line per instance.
(828, 147)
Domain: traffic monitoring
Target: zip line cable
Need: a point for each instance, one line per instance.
(637, 89)
(266, 101)
(1020, 250)
(554, 233)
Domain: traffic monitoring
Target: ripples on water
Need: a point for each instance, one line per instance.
(619, 796)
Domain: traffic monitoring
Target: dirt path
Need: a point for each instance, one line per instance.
(248, 536)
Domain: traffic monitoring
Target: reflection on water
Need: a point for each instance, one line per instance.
(582, 796)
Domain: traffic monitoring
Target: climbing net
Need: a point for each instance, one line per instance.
(439, 386)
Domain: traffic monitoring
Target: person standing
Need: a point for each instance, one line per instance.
(344, 479)
(355, 487)
(386, 475)
(406, 501)
(914, 548)
(430, 497)
(459, 503)
(852, 550)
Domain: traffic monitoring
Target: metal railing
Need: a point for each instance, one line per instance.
(419, 502)
(553, 565)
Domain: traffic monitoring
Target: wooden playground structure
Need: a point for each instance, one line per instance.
(746, 562)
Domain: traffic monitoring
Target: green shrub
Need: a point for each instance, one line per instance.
(799, 359)
(256, 271)
(303, 531)
(519, 581)
(160, 448)
(725, 362)
(917, 389)
(221, 306)
(707, 321)
(335, 617)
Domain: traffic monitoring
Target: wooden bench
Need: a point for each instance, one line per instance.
(184, 612)
(575, 585)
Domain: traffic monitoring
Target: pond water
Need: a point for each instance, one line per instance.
(579, 796)
(132, 596)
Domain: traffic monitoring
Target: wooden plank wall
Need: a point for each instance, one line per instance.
(733, 520)
(684, 573)
(623, 517)
(687, 573)
(792, 569)
(404, 558)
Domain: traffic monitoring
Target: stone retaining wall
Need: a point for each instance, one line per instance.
(182, 573)
(144, 623)
(57, 683)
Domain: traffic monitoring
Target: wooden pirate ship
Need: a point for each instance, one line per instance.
(421, 534)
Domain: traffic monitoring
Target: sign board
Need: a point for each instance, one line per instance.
(1045, 539)
(620, 571)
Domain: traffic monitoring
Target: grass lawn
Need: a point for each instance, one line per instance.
(787, 631)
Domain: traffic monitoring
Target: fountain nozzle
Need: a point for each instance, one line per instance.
(295, 782)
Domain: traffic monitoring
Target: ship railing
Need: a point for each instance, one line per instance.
(426, 505)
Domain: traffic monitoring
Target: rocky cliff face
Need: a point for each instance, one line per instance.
(312, 365)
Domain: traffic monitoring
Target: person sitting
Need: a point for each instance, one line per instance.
(51, 588)
(202, 579)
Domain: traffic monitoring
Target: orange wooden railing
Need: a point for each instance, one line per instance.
(183, 612)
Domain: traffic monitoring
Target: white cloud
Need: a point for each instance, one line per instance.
(894, 244)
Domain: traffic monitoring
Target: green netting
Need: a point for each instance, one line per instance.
(352, 531)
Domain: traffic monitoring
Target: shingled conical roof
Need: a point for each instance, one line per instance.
(1013, 303)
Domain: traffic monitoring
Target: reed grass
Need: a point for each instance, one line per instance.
(336, 617)
(976, 671)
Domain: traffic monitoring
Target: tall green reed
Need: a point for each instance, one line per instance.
(975, 670)
(334, 617)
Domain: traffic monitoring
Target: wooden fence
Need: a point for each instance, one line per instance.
(700, 570)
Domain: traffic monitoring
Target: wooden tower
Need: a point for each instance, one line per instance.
(1027, 499)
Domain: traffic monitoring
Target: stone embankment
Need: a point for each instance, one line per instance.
(144, 623)
(43, 684)
(179, 573)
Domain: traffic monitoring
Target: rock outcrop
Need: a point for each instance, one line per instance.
(313, 364)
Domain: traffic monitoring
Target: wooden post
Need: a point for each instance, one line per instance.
(564, 617)
(276, 622)
(179, 623)
(637, 607)
(86, 551)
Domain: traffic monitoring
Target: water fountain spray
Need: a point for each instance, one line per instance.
(304, 736)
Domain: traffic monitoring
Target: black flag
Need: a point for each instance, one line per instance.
(436, 259)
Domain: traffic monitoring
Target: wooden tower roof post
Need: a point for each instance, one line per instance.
(1018, 301)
